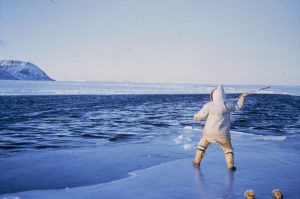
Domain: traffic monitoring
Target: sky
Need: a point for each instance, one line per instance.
(254, 42)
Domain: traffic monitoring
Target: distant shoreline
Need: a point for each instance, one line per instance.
(158, 83)
(34, 87)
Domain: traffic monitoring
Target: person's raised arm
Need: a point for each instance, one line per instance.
(240, 103)
(203, 113)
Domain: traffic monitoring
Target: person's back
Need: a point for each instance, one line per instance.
(217, 126)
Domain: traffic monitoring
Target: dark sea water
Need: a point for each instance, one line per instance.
(30, 123)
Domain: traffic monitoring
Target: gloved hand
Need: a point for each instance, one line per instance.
(245, 94)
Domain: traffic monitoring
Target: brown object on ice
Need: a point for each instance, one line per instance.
(198, 157)
(249, 194)
(277, 194)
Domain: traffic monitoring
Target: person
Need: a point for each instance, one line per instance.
(217, 126)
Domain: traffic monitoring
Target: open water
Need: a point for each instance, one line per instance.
(29, 123)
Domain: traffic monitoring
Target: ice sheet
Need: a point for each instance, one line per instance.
(262, 166)
(78, 167)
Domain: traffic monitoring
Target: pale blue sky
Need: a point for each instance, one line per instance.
(216, 41)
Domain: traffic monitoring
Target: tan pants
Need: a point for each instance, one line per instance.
(225, 145)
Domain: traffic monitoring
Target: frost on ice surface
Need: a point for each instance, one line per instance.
(188, 128)
(11, 197)
(178, 139)
(188, 146)
(260, 137)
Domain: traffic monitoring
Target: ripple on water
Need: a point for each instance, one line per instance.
(40, 122)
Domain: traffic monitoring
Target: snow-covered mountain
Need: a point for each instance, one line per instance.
(19, 70)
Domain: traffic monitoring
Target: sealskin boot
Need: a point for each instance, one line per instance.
(229, 161)
(198, 157)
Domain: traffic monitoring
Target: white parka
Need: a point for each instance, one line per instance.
(218, 111)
